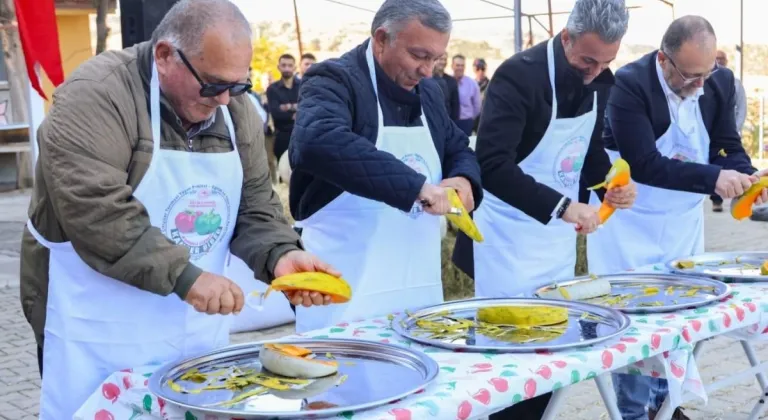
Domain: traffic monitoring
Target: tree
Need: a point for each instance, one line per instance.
(102, 30)
(264, 62)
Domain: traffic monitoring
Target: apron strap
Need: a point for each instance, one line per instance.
(230, 126)
(551, 71)
(372, 74)
(38, 237)
(154, 111)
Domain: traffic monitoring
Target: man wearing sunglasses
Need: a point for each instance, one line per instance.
(670, 116)
(152, 170)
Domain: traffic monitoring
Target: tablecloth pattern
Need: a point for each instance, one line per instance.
(476, 384)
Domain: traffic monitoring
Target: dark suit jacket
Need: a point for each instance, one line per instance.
(638, 114)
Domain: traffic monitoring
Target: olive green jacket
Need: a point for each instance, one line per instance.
(95, 147)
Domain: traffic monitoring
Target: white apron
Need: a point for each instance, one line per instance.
(519, 253)
(662, 224)
(96, 325)
(390, 258)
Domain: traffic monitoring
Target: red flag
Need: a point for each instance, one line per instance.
(39, 36)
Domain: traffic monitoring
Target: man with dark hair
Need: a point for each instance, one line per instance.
(469, 95)
(282, 100)
(482, 82)
(307, 60)
(373, 154)
(449, 87)
(670, 116)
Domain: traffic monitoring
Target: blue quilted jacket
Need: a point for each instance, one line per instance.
(332, 148)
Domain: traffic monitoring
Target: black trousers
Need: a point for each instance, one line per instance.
(40, 359)
(282, 138)
(532, 409)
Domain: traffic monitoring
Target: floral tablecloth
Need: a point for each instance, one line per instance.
(473, 385)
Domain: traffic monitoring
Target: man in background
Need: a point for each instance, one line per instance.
(449, 87)
(469, 95)
(482, 82)
(307, 60)
(283, 97)
(740, 115)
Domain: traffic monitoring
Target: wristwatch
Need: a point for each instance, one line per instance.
(563, 207)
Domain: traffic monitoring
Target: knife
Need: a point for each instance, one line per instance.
(453, 210)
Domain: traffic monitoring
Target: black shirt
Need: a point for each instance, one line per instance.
(450, 88)
(516, 113)
(278, 94)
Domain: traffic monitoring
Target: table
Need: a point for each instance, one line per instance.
(474, 385)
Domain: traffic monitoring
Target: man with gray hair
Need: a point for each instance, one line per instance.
(373, 152)
(152, 170)
(670, 116)
(540, 133)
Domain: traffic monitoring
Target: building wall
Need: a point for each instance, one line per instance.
(74, 41)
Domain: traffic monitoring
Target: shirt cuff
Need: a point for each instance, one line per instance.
(186, 279)
(275, 255)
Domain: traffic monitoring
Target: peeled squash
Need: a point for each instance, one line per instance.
(462, 222)
(741, 207)
(335, 287)
(523, 316)
(579, 291)
(618, 176)
(294, 362)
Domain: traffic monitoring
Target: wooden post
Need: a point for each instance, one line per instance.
(298, 29)
(549, 13)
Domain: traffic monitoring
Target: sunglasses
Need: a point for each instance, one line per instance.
(210, 90)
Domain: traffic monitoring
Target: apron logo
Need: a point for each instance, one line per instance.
(569, 160)
(196, 218)
(418, 164)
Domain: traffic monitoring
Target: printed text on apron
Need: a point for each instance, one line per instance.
(519, 253)
(662, 224)
(96, 325)
(390, 258)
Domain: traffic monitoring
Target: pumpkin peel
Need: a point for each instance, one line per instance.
(741, 207)
(618, 176)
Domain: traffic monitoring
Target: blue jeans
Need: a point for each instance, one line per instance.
(634, 393)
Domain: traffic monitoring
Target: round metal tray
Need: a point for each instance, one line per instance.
(359, 385)
(672, 288)
(731, 267)
(587, 325)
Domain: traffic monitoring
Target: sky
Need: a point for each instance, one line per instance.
(647, 23)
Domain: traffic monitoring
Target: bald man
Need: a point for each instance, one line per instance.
(152, 170)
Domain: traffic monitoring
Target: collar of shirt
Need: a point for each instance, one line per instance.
(196, 129)
(393, 91)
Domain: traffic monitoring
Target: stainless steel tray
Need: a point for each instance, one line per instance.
(672, 289)
(587, 325)
(732, 267)
(360, 383)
